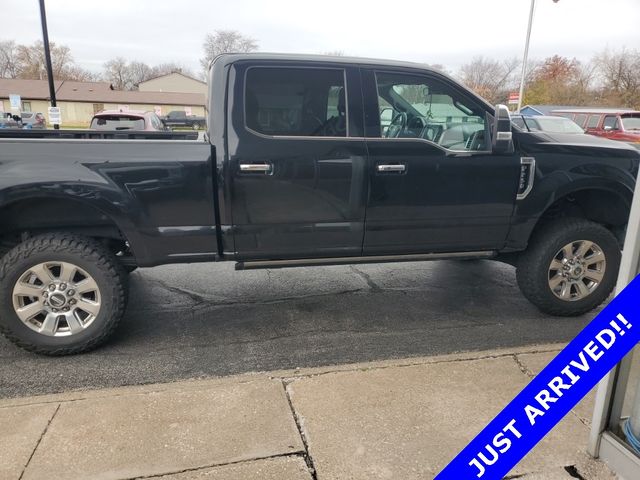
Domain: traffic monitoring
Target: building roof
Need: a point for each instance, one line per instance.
(547, 109)
(172, 73)
(93, 92)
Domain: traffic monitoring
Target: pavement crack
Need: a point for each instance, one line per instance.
(523, 368)
(296, 418)
(216, 465)
(46, 428)
(373, 286)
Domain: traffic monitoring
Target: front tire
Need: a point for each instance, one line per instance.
(60, 294)
(570, 267)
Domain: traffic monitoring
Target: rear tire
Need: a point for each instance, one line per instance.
(83, 277)
(570, 266)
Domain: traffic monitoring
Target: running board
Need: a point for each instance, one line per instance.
(308, 262)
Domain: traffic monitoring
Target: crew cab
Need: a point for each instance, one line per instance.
(179, 118)
(297, 168)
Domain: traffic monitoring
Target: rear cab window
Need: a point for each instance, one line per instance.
(610, 122)
(296, 101)
(117, 122)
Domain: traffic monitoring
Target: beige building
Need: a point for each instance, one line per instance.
(173, 82)
(78, 101)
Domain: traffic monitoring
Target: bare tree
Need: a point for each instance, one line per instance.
(489, 78)
(170, 67)
(620, 76)
(116, 71)
(8, 59)
(225, 41)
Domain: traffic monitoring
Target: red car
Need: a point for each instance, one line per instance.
(130, 120)
(615, 124)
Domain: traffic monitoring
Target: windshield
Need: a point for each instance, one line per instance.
(553, 125)
(117, 122)
(631, 123)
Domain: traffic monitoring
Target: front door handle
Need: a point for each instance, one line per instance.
(391, 168)
(265, 168)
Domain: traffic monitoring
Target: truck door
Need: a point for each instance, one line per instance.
(435, 186)
(297, 160)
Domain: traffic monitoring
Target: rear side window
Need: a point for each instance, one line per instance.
(593, 121)
(580, 118)
(308, 102)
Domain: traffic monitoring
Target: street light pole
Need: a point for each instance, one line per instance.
(526, 54)
(47, 57)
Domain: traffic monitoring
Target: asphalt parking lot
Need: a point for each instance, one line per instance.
(192, 321)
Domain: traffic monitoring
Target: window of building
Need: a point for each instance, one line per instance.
(296, 102)
(26, 106)
(593, 121)
(425, 108)
(610, 122)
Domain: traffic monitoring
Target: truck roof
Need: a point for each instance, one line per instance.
(229, 58)
(596, 110)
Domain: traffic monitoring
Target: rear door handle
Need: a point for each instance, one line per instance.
(265, 168)
(391, 168)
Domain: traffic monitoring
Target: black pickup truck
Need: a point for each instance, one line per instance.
(178, 118)
(295, 170)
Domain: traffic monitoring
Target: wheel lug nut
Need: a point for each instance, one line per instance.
(55, 310)
(46, 304)
(66, 309)
(71, 292)
(45, 294)
(52, 287)
(63, 286)
(72, 302)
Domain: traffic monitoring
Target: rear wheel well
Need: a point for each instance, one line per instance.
(607, 208)
(24, 219)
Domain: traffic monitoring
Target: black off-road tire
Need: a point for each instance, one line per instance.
(533, 265)
(89, 255)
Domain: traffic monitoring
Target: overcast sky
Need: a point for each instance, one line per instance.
(449, 32)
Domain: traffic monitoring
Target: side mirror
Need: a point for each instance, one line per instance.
(607, 128)
(501, 136)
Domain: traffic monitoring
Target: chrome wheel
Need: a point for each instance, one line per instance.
(56, 299)
(577, 270)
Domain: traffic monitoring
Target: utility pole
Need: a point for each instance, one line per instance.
(526, 54)
(47, 57)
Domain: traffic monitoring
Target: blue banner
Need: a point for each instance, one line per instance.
(552, 393)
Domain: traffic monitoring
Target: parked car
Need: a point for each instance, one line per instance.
(296, 170)
(132, 120)
(614, 124)
(33, 120)
(542, 123)
(178, 118)
(9, 121)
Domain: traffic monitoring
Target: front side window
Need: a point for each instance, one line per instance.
(610, 122)
(308, 102)
(426, 108)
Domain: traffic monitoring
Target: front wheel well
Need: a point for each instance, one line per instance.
(24, 219)
(604, 207)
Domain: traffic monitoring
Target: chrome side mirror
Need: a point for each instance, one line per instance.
(501, 135)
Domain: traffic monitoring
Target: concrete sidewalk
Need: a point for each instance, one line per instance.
(403, 419)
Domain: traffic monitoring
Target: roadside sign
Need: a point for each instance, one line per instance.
(514, 97)
(15, 101)
(55, 115)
